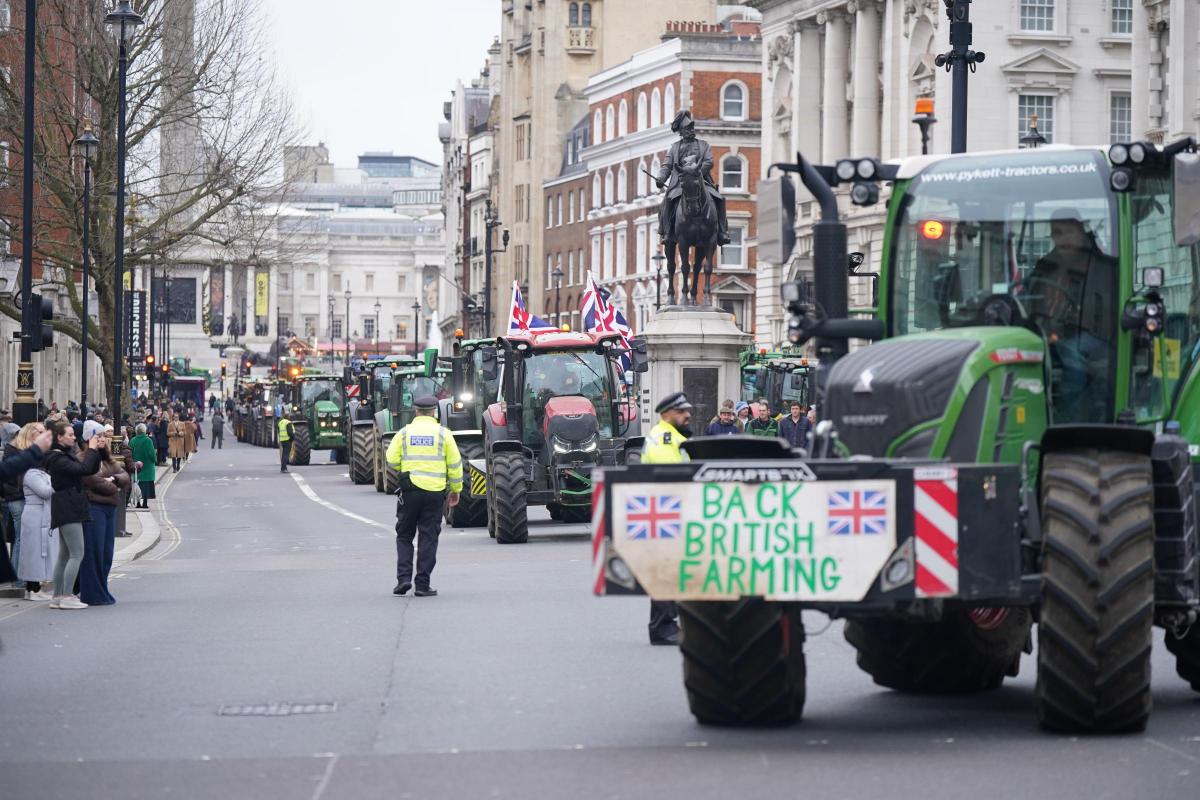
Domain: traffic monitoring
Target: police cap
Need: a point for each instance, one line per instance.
(676, 401)
(425, 401)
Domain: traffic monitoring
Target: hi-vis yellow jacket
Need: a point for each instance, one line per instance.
(662, 445)
(285, 430)
(428, 453)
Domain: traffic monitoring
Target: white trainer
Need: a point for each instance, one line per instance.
(72, 602)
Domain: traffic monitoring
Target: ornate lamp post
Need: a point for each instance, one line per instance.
(331, 306)
(86, 146)
(122, 22)
(416, 307)
(378, 308)
(658, 260)
(557, 274)
(347, 331)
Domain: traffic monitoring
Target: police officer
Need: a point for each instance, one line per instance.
(285, 441)
(662, 447)
(427, 458)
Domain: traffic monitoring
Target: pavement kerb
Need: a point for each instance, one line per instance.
(147, 533)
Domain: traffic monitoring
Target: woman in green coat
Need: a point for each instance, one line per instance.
(145, 452)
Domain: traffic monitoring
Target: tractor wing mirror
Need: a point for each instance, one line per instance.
(639, 355)
(1187, 198)
(489, 362)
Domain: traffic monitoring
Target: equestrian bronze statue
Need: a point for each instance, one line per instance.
(691, 219)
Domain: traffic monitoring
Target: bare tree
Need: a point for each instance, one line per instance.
(207, 125)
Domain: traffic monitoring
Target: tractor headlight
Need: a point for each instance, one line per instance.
(591, 446)
(560, 447)
(466, 397)
(1118, 154)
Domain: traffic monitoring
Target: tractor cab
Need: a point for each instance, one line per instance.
(780, 377)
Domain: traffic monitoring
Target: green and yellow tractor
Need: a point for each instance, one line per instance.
(318, 401)
(780, 377)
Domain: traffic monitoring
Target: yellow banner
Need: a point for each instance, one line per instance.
(261, 293)
(128, 281)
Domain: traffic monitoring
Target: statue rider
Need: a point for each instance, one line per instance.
(688, 150)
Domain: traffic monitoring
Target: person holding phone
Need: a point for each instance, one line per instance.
(105, 491)
(69, 505)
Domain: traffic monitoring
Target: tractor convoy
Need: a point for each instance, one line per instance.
(1015, 441)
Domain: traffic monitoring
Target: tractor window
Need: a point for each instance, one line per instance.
(750, 384)
(315, 391)
(1158, 367)
(579, 372)
(1017, 239)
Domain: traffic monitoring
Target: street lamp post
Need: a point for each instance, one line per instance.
(416, 307)
(378, 308)
(490, 221)
(86, 145)
(25, 406)
(658, 258)
(122, 21)
(347, 331)
(557, 274)
(331, 306)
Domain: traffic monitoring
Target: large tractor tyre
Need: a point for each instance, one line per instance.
(301, 445)
(471, 511)
(510, 516)
(954, 656)
(575, 514)
(1094, 634)
(391, 479)
(743, 662)
(362, 455)
(1187, 655)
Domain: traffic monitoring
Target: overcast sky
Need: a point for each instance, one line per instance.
(373, 74)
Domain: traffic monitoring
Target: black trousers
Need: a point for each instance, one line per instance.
(663, 622)
(421, 512)
(285, 450)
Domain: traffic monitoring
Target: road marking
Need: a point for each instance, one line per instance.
(166, 524)
(320, 790)
(311, 495)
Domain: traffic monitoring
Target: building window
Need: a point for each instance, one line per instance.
(655, 166)
(733, 173)
(549, 212)
(606, 264)
(570, 207)
(285, 325)
(310, 282)
(656, 108)
(587, 15)
(1120, 117)
(622, 254)
(669, 103)
(369, 282)
(641, 111)
(596, 252)
(335, 282)
(610, 123)
(734, 253)
(640, 183)
(560, 209)
(570, 278)
(401, 329)
(368, 326)
(623, 119)
(285, 281)
(1043, 106)
(622, 185)
(5, 14)
(337, 328)
(608, 187)
(402, 282)
(310, 327)
(1122, 16)
(733, 101)
(597, 123)
(640, 253)
(573, 14)
(1037, 15)
(596, 196)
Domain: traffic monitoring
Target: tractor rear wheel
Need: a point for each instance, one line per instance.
(362, 454)
(301, 445)
(743, 662)
(1094, 634)
(471, 511)
(1187, 655)
(953, 656)
(506, 496)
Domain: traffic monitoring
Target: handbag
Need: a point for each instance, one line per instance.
(135, 493)
(67, 506)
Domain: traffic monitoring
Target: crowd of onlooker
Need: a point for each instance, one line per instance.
(65, 482)
(756, 419)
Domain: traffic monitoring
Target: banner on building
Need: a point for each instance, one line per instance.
(261, 293)
(136, 305)
(216, 301)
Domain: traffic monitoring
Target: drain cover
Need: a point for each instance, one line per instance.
(277, 709)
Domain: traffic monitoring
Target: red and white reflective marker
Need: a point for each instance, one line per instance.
(935, 508)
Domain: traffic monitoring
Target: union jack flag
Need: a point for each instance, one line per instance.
(653, 517)
(853, 513)
(521, 320)
(600, 316)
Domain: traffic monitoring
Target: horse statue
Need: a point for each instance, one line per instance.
(695, 242)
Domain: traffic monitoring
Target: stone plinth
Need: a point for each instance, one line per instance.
(696, 350)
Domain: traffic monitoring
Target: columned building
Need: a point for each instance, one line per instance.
(841, 77)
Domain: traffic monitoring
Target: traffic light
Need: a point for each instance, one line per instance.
(295, 371)
(166, 370)
(222, 369)
(41, 335)
(149, 364)
(248, 366)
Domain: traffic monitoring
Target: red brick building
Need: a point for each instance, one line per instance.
(714, 70)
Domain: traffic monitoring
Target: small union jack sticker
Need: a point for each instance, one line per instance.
(853, 513)
(653, 517)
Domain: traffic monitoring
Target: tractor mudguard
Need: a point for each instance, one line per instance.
(496, 415)
(1124, 438)
(507, 446)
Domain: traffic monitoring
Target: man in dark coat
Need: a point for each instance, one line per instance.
(687, 151)
(795, 427)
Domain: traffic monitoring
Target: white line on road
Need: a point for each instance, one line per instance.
(320, 790)
(311, 495)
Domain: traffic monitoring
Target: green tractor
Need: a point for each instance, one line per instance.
(780, 377)
(1020, 443)
(368, 387)
(319, 401)
(462, 413)
(412, 379)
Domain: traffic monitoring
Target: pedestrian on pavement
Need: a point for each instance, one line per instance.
(14, 492)
(143, 454)
(105, 491)
(284, 437)
(795, 427)
(162, 439)
(662, 447)
(191, 429)
(177, 436)
(763, 424)
(742, 415)
(218, 429)
(723, 424)
(69, 505)
(427, 458)
(39, 542)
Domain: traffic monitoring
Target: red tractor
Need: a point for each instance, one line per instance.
(565, 407)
